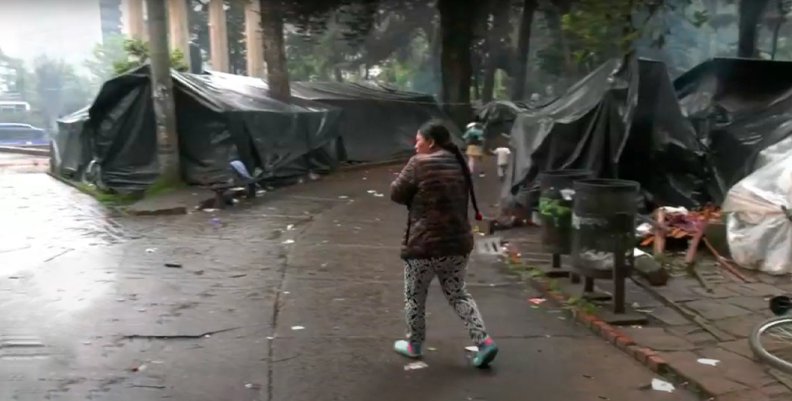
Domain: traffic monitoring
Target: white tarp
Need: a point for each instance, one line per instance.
(758, 230)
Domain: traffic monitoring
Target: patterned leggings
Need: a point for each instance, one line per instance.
(450, 270)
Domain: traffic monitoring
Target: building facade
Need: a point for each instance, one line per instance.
(111, 18)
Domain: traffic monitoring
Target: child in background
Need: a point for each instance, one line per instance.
(502, 154)
(474, 141)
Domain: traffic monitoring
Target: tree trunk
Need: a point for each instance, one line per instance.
(553, 17)
(435, 55)
(777, 29)
(776, 32)
(750, 13)
(497, 40)
(457, 19)
(274, 49)
(488, 86)
(254, 45)
(162, 94)
(520, 68)
(474, 80)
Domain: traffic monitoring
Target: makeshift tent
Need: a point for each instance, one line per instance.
(498, 118)
(377, 122)
(219, 119)
(739, 107)
(620, 121)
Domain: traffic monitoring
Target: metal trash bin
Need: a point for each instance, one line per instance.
(603, 232)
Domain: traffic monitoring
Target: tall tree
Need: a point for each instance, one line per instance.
(50, 76)
(457, 19)
(782, 10)
(750, 13)
(520, 68)
(498, 46)
(162, 95)
(274, 49)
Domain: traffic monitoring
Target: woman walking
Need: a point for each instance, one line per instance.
(435, 185)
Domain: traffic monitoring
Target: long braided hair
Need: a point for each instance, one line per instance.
(436, 130)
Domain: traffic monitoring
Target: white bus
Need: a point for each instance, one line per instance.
(14, 106)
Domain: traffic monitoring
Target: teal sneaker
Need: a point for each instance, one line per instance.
(487, 351)
(408, 349)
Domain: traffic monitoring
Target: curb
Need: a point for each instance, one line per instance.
(644, 355)
(25, 151)
(364, 166)
(166, 211)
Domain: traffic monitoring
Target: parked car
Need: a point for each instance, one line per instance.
(16, 134)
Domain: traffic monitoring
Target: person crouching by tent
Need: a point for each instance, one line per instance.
(474, 141)
(502, 154)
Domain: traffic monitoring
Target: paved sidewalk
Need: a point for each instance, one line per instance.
(296, 296)
(687, 323)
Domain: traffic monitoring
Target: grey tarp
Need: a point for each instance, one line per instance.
(71, 150)
(620, 121)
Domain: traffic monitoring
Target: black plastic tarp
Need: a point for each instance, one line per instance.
(498, 117)
(620, 121)
(284, 140)
(220, 118)
(377, 122)
(739, 107)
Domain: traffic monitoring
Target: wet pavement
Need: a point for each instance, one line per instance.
(295, 296)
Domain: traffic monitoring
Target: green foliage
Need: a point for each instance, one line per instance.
(596, 30)
(57, 90)
(137, 54)
(554, 207)
(105, 56)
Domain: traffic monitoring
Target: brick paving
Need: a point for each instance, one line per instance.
(687, 322)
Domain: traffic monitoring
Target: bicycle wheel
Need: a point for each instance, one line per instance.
(771, 341)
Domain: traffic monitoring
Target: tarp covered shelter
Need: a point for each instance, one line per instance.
(620, 121)
(739, 107)
(377, 122)
(219, 119)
